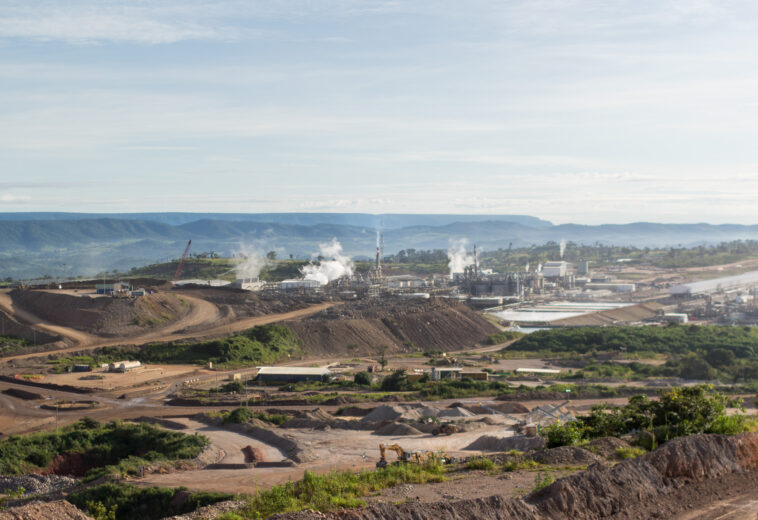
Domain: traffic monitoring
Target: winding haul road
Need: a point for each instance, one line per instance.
(204, 320)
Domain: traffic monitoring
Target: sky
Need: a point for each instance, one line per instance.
(573, 111)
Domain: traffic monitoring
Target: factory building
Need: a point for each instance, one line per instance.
(405, 282)
(439, 373)
(111, 288)
(554, 269)
(296, 285)
(292, 374)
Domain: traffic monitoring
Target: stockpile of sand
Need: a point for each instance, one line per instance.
(396, 428)
(520, 442)
(476, 409)
(354, 411)
(455, 413)
(384, 413)
(317, 418)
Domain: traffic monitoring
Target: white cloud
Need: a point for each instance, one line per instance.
(10, 198)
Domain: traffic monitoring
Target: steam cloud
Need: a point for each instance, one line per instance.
(563, 247)
(253, 264)
(335, 265)
(458, 258)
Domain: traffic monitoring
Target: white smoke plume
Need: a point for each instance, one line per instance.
(254, 260)
(563, 247)
(458, 258)
(335, 265)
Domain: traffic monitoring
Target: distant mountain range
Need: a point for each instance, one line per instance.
(66, 244)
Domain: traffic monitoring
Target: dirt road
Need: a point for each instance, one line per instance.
(742, 507)
(199, 322)
(78, 337)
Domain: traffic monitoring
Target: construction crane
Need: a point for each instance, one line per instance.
(181, 262)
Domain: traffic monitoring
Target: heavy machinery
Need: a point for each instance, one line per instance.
(445, 429)
(402, 455)
(181, 262)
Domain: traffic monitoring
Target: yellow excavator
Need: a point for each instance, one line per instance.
(402, 455)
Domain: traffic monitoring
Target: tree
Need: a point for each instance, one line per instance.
(720, 357)
(362, 378)
(397, 381)
(383, 360)
(271, 255)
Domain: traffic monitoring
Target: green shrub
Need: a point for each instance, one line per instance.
(542, 481)
(363, 379)
(480, 463)
(232, 386)
(129, 502)
(111, 444)
(239, 416)
(563, 434)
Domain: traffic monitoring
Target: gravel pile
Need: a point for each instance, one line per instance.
(36, 484)
(495, 444)
(384, 413)
(395, 428)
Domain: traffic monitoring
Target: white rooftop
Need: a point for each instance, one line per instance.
(538, 370)
(306, 371)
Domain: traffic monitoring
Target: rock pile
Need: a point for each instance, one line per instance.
(36, 484)
(58, 510)
(494, 444)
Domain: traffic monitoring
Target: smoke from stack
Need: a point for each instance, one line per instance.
(563, 247)
(335, 265)
(458, 257)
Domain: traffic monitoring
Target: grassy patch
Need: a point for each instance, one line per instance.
(10, 344)
(542, 481)
(480, 463)
(629, 452)
(337, 489)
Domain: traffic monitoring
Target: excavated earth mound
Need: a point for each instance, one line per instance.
(395, 428)
(58, 510)
(607, 446)
(240, 304)
(384, 413)
(520, 442)
(317, 418)
(402, 325)
(509, 408)
(683, 473)
(566, 455)
(12, 327)
(103, 316)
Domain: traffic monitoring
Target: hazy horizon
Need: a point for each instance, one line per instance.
(583, 112)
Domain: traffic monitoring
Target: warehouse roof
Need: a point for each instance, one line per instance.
(305, 371)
